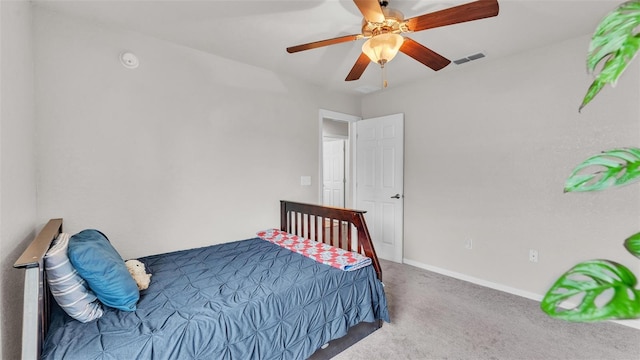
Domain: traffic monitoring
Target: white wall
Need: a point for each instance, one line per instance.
(17, 165)
(488, 148)
(187, 150)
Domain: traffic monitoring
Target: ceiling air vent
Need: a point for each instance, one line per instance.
(468, 58)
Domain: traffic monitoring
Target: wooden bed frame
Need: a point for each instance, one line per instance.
(339, 227)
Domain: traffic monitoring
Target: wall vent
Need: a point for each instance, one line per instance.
(468, 58)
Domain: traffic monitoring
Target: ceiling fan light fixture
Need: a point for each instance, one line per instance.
(382, 48)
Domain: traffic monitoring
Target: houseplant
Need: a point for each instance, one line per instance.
(601, 289)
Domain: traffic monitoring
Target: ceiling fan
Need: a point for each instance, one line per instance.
(382, 27)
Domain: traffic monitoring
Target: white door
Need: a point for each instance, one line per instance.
(380, 180)
(333, 172)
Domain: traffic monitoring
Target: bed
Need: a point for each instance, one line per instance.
(246, 299)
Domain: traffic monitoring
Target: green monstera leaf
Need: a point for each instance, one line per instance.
(614, 44)
(633, 245)
(610, 168)
(596, 290)
(601, 289)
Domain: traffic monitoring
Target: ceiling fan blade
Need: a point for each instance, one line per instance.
(423, 54)
(371, 10)
(321, 43)
(462, 13)
(358, 68)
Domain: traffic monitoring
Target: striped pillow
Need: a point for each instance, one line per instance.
(67, 287)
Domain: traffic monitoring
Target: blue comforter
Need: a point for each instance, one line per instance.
(248, 299)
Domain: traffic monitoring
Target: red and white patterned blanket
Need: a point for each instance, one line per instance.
(320, 252)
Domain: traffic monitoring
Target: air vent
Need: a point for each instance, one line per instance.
(468, 58)
(475, 56)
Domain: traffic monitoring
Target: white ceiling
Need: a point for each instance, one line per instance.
(258, 32)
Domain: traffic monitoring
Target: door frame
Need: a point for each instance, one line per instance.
(350, 174)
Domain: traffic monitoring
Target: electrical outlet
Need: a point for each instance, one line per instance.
(468, 244)
(533, 255)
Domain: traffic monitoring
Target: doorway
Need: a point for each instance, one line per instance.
(336, 158)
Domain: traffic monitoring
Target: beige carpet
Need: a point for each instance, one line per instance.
(437, 317)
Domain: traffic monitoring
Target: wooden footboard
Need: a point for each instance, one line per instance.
(344, 228)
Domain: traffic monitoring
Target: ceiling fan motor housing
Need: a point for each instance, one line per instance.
(393, 23)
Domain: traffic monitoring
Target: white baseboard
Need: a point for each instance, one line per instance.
(508, 289)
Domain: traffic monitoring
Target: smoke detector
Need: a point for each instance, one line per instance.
(129, 60)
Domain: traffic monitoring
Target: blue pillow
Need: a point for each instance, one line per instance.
(100, 265)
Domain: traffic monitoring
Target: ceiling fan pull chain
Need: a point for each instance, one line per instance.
(384, 76)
